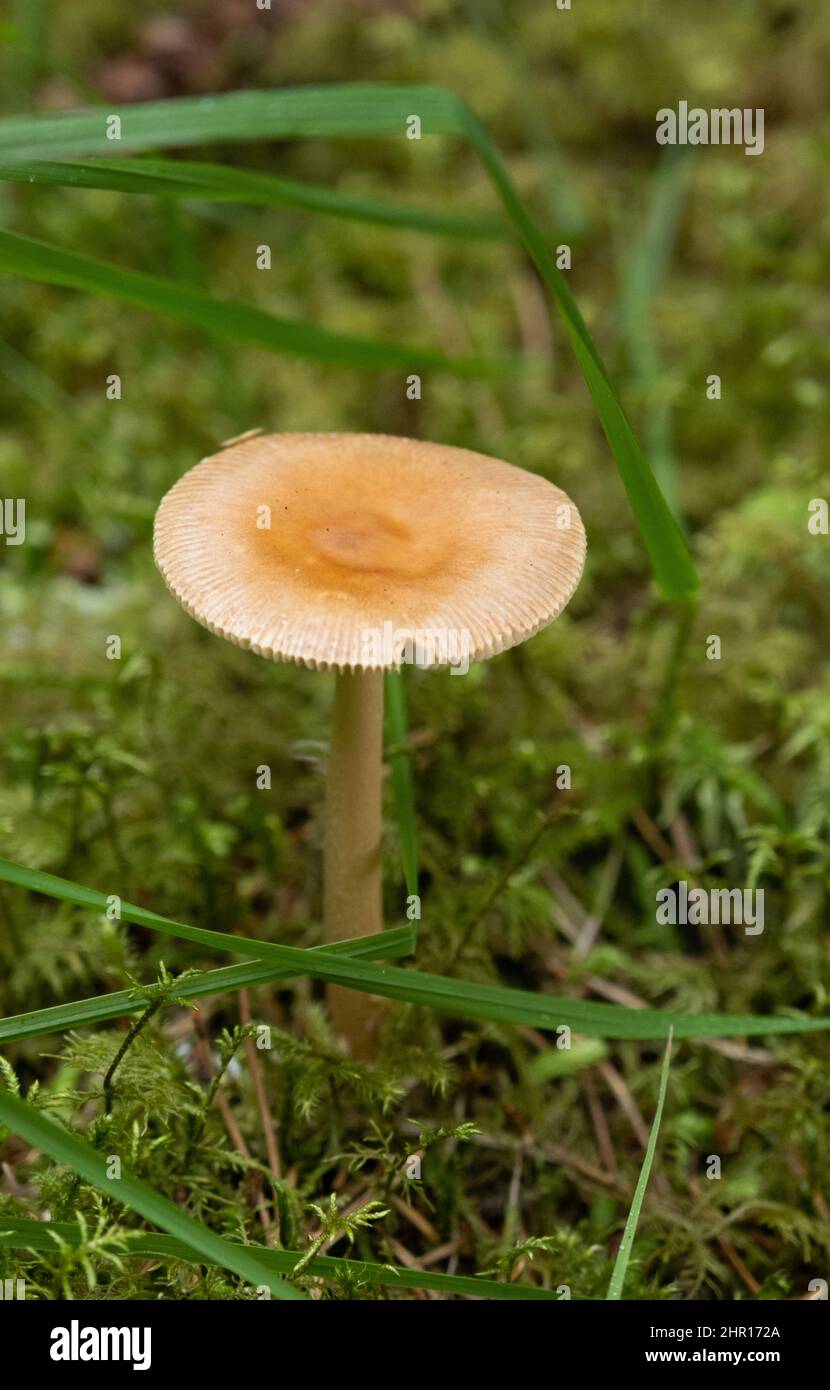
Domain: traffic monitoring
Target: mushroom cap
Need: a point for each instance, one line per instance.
(358, 551)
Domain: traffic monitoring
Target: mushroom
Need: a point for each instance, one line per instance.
(354, 553)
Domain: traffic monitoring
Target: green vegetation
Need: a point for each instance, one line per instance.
(477, 1155)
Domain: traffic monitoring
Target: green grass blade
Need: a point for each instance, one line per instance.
(615, 1287)
(52, 1139)
(39, 260)
(373, 109)
(220, 183)
(19, 1233)
(667, 549)
(643, 272)
(466, 998)
(397, 736)
(399, 941)
(341, 109)
(648, 263)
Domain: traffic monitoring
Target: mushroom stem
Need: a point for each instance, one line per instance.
(352, 886)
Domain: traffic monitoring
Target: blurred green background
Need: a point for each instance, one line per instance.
(685, 264)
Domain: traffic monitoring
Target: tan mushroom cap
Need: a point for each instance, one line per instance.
(334, 550)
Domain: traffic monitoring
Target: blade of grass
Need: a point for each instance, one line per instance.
(372, 109)
(643, 271)
(338, 110)
(663, 538)
(184, 179)
(39, 260)
(383, 946)
(615, 1287)
(397, 733)
(51, 1138)
(18, 1233)
(467, 998)
(557, 186)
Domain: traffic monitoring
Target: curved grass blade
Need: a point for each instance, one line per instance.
(642, 274)
(397, 731)
(39, 260)
(337, 110)
(467, 998)
(184, 179)
(20, 1233)
(45, 1134)
(371, 109)
(666, 545)
(615, 1287)
(399, 941)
